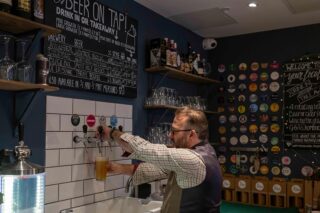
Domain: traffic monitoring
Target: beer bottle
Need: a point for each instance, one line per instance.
(22, 8)
(5, 5)
(38, 10)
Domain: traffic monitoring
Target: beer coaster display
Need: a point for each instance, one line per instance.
(253, 103)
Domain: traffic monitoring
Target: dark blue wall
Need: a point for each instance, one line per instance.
(282, 46)
(150, 26)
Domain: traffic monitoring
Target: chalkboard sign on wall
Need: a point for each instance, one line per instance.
(97, 49)
(302, 104)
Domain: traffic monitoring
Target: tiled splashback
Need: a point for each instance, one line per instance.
(70, 178)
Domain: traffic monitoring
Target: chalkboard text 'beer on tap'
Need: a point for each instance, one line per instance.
(97, 49)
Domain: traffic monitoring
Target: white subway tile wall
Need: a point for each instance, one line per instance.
(70, 178)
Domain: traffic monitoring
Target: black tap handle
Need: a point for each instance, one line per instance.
(100, 130)
(85, 129)
(120, 127)
(21, 131)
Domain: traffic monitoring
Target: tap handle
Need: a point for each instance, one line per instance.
(100, 130)
(85, 129)
(21, 131)
(120, 127)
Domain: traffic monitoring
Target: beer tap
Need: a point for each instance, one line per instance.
(84, 139)
(99, 142)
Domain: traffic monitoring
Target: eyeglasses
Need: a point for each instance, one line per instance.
(172, 131)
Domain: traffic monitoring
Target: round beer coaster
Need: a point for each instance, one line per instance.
(231, 88)
(286, 160)
(274, 86)
(222, 130)
(263, 138)
(233, 169)
(264, 107)
(233, 158)
(274, 107)
(221, 109)
(253, 108)
(253, 139)
(241, 109)
(275, 128)
(233, 129)
(222, 159)
(102, 120)
(263, 87)
(243, 67)
(231, 108)
(275, 170)
(244, 139)
(222, 119)
(264, 128)
(223, 140)
(253, 76)
(307, 171)
(264, 169)
(242, 77)
(264, 65)
(233, 141)
(254, 66)
(253, 128)
(253, 87)
(243, 119)
(274, 75)
(243, 158)
(275, 149)
(253, 170)
(242, 98)
(231, 78)
(253, 118)
(264, 76)
(264, 117)
(232, 118)
(275, 65)
(286, 171)
(244, 169)
(221, 68)
(274, 140)
(242, 87)
(253, 98)
(243, 129)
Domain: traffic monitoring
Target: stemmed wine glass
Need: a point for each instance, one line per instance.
(23, 71)
(7, 65)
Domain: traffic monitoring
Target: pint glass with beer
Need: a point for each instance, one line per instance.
(101, 167)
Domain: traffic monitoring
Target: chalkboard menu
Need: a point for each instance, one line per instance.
(302, 104)
(97, 49)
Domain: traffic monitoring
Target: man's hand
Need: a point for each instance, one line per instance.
(127, 169)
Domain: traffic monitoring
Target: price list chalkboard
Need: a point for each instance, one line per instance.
(302, 104)
(97, 49)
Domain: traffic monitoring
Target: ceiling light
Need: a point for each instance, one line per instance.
(252, 4)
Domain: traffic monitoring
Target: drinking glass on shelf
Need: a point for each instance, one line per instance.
(7, 65)
(23, 70)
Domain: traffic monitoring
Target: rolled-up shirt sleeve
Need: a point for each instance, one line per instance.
(147, 172)
(187, 164)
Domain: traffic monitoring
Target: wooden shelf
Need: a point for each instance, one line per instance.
(22, 86)
(15, 24)
(172, 107)
(178, 74)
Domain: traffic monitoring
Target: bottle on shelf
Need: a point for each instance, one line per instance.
(22, 8)
(200, 70)
(5, 5)
(173, 53)
(38, 11)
